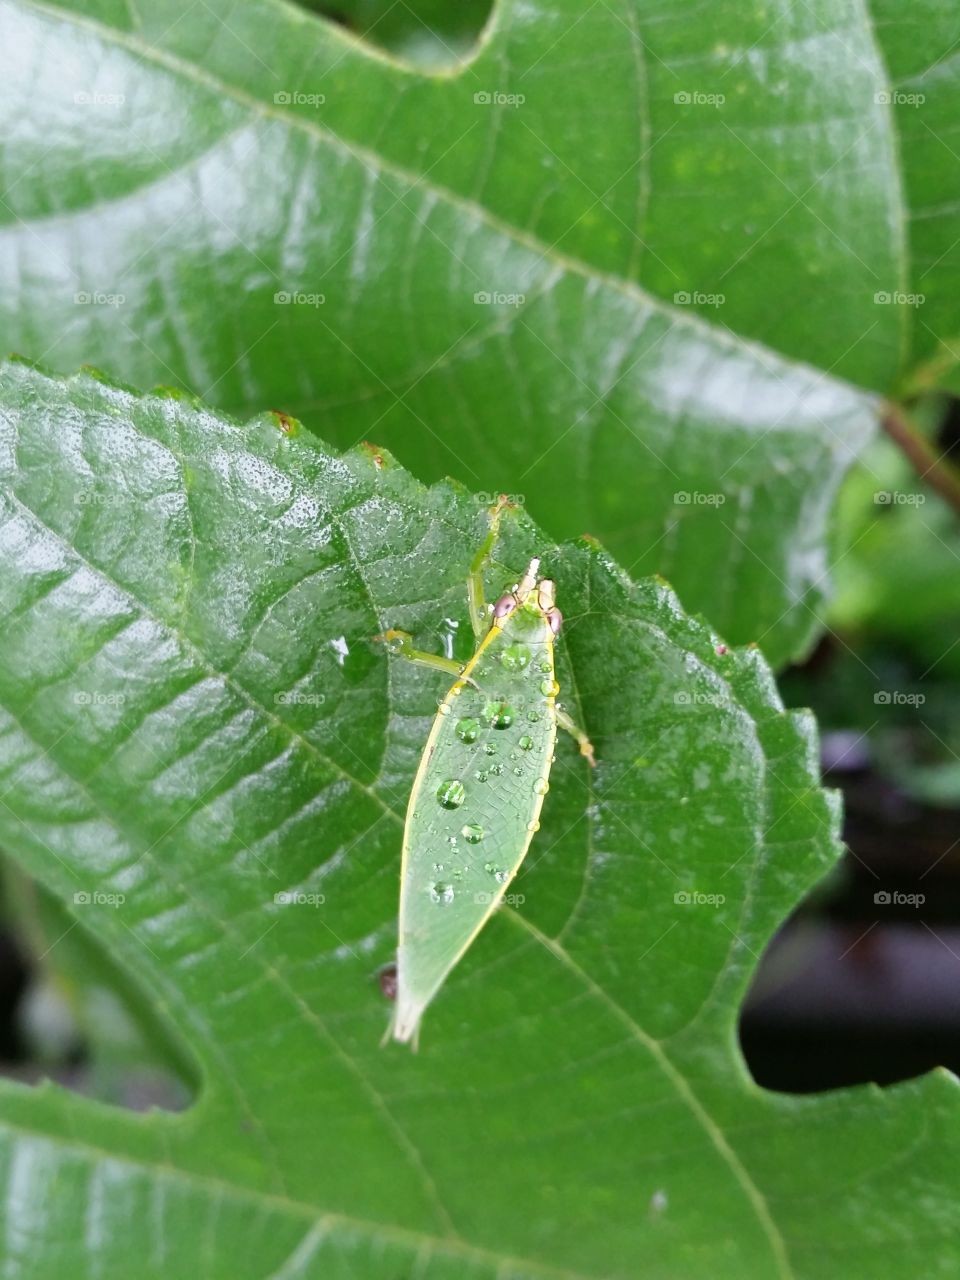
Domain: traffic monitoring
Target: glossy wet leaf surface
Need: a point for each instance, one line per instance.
(193, 717)
(675, 270)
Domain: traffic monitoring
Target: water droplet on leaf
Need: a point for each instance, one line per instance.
(451, 793)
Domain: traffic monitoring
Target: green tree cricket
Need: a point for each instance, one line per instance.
(480, 786)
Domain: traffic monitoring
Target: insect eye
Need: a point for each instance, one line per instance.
(555, 618)
(504, 606)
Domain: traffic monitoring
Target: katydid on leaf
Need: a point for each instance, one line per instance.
(477, 795)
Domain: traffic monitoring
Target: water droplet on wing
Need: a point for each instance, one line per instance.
(451, 793)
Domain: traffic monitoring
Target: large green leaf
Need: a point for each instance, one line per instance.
(193, 717)
(613, 199)
(920, 47)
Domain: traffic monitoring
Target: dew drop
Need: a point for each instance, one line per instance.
(444, 708)
(533, 825)
(472, 833)
(533, 716)
(489, 868)
(498, 714)
(481, 775)
(451, 793)
(525, 743)
(442, 893)
(541, 786)
(497, 770)
(545, 666)
(515, 657)
(501, 877)
(438, 866)
(518, 771)
(467, 729)
(452, 841)
(489, 749)
(549, 688)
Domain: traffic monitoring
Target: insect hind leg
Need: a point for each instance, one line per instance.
(586, 746)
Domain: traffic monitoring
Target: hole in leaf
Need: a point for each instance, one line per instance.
(69, 1013)
(425, 33)
(862, 983)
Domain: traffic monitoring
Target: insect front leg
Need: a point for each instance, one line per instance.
(584, 743)
(401, 644)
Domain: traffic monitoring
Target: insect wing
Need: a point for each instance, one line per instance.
(475, 805)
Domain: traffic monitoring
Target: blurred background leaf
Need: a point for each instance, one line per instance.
(659, 222)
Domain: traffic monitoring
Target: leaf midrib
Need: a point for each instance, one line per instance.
(683, 1091)
(719, 334)
(209, 1184)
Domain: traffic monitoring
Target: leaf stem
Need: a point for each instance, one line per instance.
(930, 466)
